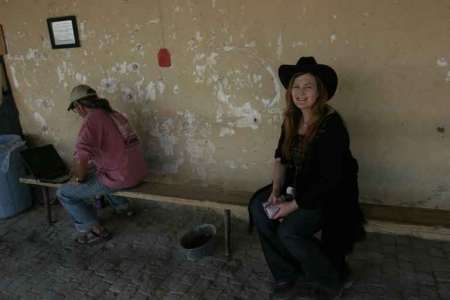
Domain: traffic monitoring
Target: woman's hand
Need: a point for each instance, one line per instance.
(275, 198)
(285, 208)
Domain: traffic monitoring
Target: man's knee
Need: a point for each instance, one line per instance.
(64, 194)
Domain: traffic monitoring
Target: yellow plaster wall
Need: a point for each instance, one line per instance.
(214, 116)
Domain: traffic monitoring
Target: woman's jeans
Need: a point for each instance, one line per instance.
(290, 247)
(74, 196)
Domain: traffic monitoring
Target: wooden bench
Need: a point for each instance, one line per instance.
(186, 194)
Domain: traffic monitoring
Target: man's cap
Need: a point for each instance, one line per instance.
(80, 92)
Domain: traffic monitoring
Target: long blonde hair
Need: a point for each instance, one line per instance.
(293, 116)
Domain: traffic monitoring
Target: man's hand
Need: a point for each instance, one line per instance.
(80, 170)
(285, 208)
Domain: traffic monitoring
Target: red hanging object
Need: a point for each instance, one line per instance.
(164, 57)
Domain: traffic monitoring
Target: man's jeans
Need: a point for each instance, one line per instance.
(74, 196)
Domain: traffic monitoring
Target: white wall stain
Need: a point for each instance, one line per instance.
(442, 62)
(82, 30)
(150, 91)
(332, 38)
(166, 138)
(245, 115)
(201, 152)
(13, 75)
(176, 89)
(279, 45)
(198, 36)
(231, 164)
(62, 70)
(41, 121)
(298, 44)
(127, 94)
(228, 48)
(225, 131)
(46, 104)
(270, 103)
(172, 166)
(251, 44)
(161, 87)
(153, 21)
(81, 78)
(109, 85)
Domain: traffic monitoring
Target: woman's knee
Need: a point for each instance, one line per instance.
(256, 208)
(288, 233)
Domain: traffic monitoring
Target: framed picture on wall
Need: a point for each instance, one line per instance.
(63, 32)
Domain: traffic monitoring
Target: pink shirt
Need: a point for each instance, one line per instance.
(119, 160)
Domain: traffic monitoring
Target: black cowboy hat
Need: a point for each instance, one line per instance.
(307, 64)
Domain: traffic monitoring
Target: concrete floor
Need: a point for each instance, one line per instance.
(144, 261)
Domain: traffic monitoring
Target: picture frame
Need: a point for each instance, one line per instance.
(63, 32)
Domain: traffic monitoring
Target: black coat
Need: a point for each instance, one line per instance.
(327, 181)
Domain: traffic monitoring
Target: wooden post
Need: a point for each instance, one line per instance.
(47, 204)
(227, 222)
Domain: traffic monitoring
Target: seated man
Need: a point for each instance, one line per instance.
(106, 140)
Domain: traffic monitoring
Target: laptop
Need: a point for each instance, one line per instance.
(45, 164)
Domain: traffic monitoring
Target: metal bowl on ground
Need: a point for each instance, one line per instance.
(198, 242)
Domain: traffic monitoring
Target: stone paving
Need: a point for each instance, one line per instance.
(143, 261)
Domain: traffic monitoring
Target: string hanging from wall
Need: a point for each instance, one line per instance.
(164, 59)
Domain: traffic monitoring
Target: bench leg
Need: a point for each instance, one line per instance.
(227, 222)
(48, 206)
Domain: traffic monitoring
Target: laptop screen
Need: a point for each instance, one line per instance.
(44, 161)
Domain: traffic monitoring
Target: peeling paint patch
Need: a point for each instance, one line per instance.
(13, 74)
(80, 78)
(228, 48)
(279, 45)
(41, 121)
(332, 38)
(109, 85)
(248, 117)
(201, 153)
(251, 44)
(166, 139)
(161, 87)
(442, 62)
(231, 164)
(298, 44)
(198, 36)
(125, 68)
(224, 131)
(150, 92)
(276, 99)
(127, 94)
(172, 167)
(44, 103)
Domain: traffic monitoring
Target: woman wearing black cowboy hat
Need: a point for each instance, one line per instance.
(314, 187)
